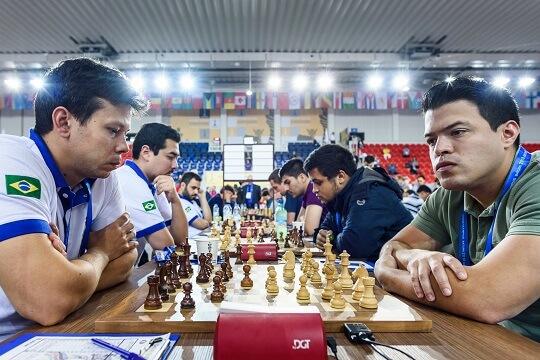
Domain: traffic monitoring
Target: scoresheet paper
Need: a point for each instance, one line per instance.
(80, 347)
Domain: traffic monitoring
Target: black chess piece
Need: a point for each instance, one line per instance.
(187, 302)
(246, 282)
(187, 252)
(221, 283)
(238, 255)
(287, 244)
(174, 272)
(225, 277)
(217, 295)
(168, 278)
(229, 266)
(182, 269)
(202, 277)
(162, 283)
(153, 300)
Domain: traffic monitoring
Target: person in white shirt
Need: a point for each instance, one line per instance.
(198, 217)
(149, 190)
(61, 177)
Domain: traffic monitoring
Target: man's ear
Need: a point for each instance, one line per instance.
(509, 132)
(145, 153)
(341, 177)
(62, 121)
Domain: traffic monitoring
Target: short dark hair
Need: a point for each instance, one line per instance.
(154, 136)
(274, 176)
(424, 188)
(265, 192)
(80, 85)
(293, 167)
(228, 188)
(369, 159)
(494, 104)
(329, 159)
(186, 178)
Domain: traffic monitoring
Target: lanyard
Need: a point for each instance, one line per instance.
(338, 223)
(523, 159)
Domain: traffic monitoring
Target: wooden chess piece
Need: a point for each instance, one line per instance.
(302, 296)
(345, 278)
(272, 287)
(287, 243)
(328, 290)
(225, 277)
(202, 277)
(187, 302)
(238, 255)
(315, 277)
(221, 283)
(168, 278)
(246, 282)
(209, 261)
(187, 252)
(251, 253)
(271, 267)
(358, 290)
(174, 273)
(288, 270)
(164, 294)
(153, 299)
(229, 266)
(368, 300)
(359, 273)
(217, 295)
(337, 302)
(182, 268)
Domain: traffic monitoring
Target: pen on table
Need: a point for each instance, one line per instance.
(123, 353)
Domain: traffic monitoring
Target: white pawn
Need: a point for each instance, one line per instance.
(302, 296)
(337, 302)
(272, 288)
(368, 300)
(315, 277)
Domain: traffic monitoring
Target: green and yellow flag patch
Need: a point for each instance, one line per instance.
(149, 205)
(23, 186)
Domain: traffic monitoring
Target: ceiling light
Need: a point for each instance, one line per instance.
(374, 81)
(162, 82)
(526, 81)
(325, 81)
(13, 83)
(300, 82)
(401, 82)
(274, 82)
(37, 83)
(187, 81)
(501, 81)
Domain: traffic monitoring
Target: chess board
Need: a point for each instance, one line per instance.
(129, 316)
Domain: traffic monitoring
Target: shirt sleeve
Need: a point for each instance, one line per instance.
(27, 203)
(141, 206)
(191, 211)
(525, 218)
(164, 207)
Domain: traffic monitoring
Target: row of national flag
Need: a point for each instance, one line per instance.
(353, 100)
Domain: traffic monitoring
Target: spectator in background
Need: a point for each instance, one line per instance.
(412, 202)
(226, 196)
(406, 152)
(424, 191)
(392, 169)
(266, 199)
(386, 153)
(212, 191)
(333, 138)
(292, 204)
(370, 161)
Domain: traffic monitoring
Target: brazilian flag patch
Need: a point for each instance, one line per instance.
(23, 186)
(149, 205)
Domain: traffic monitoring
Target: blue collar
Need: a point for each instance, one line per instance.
(141, 174)
(59, 179)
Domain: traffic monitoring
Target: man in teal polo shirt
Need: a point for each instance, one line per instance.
(473, 248)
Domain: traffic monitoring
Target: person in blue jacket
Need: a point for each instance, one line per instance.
(364, 205)
(224, 197)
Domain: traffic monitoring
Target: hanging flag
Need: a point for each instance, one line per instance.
(338, 101)
(228, 101)
(367, 100)
(415, 100)
(209, 101)
(251, 101)
(381, 100)
(155, 102)
(307, 100)
(271, 100)
(532, 100)
(348, 100)
(260, 101)
(219, 100)
(294, 101)
(283, 101)
(240, 100)
(197, 102)
(402, 101)
(323, 100)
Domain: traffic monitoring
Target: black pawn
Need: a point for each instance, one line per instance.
(238, 255)
(217, 295)
(162, 284)
(187, 302)
(174, 273)
(202, 277)
(225, 277)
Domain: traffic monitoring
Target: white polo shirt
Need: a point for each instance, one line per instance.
(193, 212)
(34, 193)
(148, 211)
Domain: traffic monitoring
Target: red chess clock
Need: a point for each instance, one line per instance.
(269, 336)
(263, 252)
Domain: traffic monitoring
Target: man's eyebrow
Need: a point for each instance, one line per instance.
(454, 124)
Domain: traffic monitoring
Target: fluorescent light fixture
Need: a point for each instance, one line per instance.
(274, 82)
(374, 81)
(300, 82)
(187, 81)
(501, 81)
(325, 81)
(526, 81)
(13, 83)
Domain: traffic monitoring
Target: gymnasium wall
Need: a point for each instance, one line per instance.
(380, 127)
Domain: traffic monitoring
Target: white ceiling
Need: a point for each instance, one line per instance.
(220, 39)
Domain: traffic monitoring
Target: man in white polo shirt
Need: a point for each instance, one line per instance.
(149, 190)
(62, 175)
(198, 217)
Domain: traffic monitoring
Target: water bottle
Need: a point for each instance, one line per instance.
(237, 216)
(227, 212)
(215, 213)
(281, 219)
